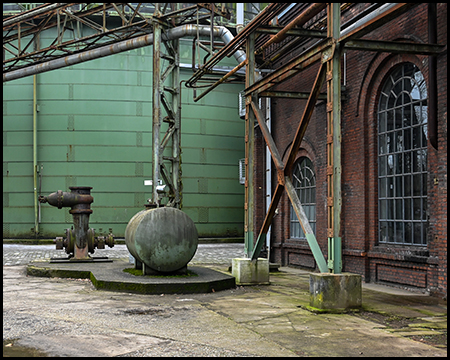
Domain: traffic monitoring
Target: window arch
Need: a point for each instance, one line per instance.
(304, 181)
(402, 157)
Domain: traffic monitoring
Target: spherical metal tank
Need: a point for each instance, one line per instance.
(164, 239)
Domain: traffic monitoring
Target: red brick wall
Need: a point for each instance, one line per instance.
(419, 267)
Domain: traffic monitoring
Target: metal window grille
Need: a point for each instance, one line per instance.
(304, 181)
(402, 158)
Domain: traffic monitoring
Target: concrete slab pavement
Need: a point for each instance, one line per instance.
(69, 317)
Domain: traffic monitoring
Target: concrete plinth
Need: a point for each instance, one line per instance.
(335, 291)
(248, 272)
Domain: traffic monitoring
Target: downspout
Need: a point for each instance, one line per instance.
(35, 168)
(432, 75)
(125, 45)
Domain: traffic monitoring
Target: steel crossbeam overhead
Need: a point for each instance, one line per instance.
(324, 40)
(82, 27)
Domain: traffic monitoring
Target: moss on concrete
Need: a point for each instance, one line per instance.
(139, 272)
(48, 272)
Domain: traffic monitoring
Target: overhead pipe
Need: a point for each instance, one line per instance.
(432, 76)
(32, 13)
(125, 45)
(301, 19)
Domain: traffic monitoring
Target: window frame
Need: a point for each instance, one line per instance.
(402, 157)
(306, 194)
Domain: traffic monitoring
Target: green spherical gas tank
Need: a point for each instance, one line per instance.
(164, 239)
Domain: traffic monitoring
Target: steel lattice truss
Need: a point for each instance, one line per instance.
(107, 23)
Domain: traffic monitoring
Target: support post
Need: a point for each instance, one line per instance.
(249, 148)
(334, 199)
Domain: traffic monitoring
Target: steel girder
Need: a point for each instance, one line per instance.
(328, 51)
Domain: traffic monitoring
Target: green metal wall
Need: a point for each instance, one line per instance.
(94, 128)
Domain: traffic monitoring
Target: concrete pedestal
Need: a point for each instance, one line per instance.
(335, 291)
(248, 272)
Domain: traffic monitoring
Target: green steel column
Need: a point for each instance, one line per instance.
(334, 141)
(249, 147)
(157, 88)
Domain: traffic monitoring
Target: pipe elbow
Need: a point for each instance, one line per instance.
(62, 199)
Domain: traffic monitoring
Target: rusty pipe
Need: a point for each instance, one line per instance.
(301, 19)
(62, 199)
(121, 46)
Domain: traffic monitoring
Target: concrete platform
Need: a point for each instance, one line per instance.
(111, 276)
(335, 292)
(248, 272)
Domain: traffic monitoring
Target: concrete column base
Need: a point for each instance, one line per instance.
(248, 272)
(335, 291)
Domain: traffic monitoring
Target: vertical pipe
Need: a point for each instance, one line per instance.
(432, 75)
(35, 169)
(37, 206)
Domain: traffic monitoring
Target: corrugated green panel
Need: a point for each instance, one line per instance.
(198, 170)
(18, 153)
(18, 183)
(229, 128)
(105, 108)
(94, 129)
(20, 138)
(123, 138)
(218, 200)
(94, 92)
(21, 107)
(60, 122)
(80, 76)
(211, 157)
(111, 153)
(206, 112)
(213, 185)
(13, 123)
(227, 215)
(212, 142)
(21, 215)
(228, 157)
(18, 92)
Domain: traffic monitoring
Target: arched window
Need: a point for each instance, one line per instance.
(304, 181)
(402, 157)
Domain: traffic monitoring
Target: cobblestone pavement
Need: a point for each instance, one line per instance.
(17, 254)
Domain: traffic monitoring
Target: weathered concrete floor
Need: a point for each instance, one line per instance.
(70, 318)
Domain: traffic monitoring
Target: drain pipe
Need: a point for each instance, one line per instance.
(125, 45)
(35, 167)
(432, 75)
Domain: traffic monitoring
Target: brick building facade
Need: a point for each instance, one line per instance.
(394, 181)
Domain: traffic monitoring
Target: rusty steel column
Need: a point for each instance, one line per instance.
(334, 200)
(156, 103)
(249, 148)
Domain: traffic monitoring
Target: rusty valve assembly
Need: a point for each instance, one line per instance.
(80, 239)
